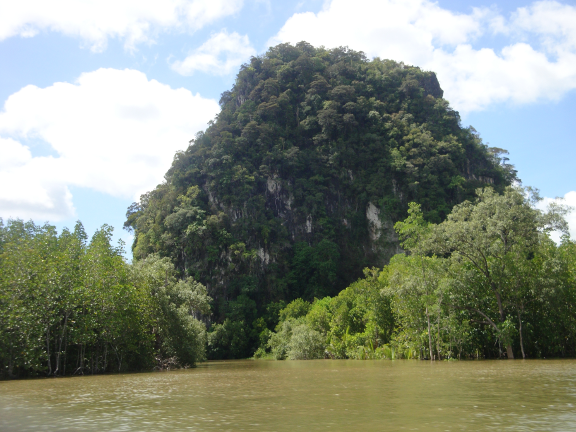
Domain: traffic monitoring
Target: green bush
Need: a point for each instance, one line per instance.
(305, 344)
(228, 340)
(279, 341)
(295, 340)
(296, 309)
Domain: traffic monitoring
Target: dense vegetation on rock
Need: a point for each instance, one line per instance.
(294, 188)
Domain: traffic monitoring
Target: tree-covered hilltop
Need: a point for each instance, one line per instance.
(294, 188)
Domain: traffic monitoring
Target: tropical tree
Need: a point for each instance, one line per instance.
(178, 307)
(490, 237)
(416, 286)
(414, 233)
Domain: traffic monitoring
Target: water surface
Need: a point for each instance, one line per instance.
(307, 395)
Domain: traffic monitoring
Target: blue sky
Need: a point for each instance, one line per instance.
(97, 96)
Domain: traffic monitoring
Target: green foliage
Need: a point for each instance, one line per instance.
(295, 309)
(414, 230)
(496, 283)
(320, 315)
(272, 313)
(360, 317)
(228, 340)
(314, 268)
(358, 320)
(178, 303)
(305, 344)
(279, 341)
(272, 201)
(68, 306)
(295, 340)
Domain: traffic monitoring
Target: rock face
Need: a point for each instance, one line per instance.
(295, 187)
(374, 222)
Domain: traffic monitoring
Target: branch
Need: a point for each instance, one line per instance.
(480, 322)
(488, 320)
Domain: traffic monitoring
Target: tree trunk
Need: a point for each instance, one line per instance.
(105, 358)
(427, 314)
(521, 341)
(500, 308)
(48, 349)
(509, 352)
(60, 345)
(429, 335)
(438, 338)
(10, 363)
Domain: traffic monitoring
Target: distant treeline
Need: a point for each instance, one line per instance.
(488, 282)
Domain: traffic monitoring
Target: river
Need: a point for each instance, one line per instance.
(307, 395)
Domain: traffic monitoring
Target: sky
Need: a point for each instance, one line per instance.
(97, 96)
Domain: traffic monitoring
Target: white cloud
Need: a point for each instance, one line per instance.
(570, 200)
(553, 22)
(420, 32)
(134, 21)
(13, 154)
(222, 54)
(21, 193)
(113, 131)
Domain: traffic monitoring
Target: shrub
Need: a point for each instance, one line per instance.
(305, 344)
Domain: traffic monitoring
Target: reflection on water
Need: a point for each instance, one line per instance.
(307, 395)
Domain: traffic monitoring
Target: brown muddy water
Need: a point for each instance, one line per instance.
(306, 395)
